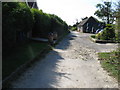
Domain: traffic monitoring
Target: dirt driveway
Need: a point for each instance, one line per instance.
(72, 64)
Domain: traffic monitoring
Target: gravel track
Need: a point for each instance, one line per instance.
(72, 64)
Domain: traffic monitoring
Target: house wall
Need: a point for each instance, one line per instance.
(90, 26)
(80, 29)
(84, 28)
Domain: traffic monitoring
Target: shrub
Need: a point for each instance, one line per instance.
(118, 24)
(45, 23)
(17, 17)
(8, 30)
(117, 36)
(74, 28)
(98, 36)
(93, 36)
(40, 26)
(107, 34)
(23, 18)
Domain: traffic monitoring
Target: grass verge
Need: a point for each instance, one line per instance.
(20, 55)
(93, 36)
(110, 62)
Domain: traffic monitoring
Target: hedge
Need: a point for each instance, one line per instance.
(41, 23)
(45, 23)
(17, 17)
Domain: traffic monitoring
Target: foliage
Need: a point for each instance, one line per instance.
(118, 22)
(23, 18)
(74, 28)
(105, 12)
(17, 17)
(45, 23)
(117, 36)
(8, 32)
(93, 36)
(107, 34)
(22, 54)
(98, 35)
(39, 22)
(58, 25)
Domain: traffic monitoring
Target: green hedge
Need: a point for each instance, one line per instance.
(17, 17)
(42, 23)
(24, 18)
(45, 23)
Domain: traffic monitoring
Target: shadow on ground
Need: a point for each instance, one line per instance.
(65, 43)
(52, 73)
(44, 73)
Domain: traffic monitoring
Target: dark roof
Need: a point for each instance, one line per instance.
(85, 20)
(32, 4)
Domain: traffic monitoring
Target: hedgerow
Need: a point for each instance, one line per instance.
(45, 23)
(19, 19)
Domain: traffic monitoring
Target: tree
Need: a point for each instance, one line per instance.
(118, 21)
(105, 12)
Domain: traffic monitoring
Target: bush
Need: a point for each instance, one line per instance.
(17, 17)
(58, 25)
(98, 36)
(107, 34)
(117, 36)
(8, 29)
(38, 28)
(74, 28)
(93, 36)
(118, 25)
(23, 18)
(45, 23)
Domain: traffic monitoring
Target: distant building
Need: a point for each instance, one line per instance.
(31, 4)
(89, 25)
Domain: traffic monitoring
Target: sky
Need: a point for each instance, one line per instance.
(70, 10)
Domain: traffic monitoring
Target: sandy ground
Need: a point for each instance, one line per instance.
(72, 64)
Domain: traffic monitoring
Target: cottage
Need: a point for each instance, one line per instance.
(31, 4)
(89, 25)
